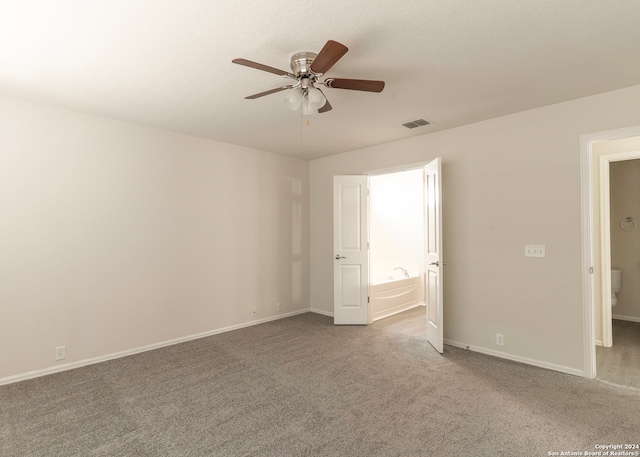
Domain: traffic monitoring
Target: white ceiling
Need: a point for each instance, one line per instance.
(167, 63)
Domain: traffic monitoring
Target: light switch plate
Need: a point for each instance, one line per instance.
(534, 250)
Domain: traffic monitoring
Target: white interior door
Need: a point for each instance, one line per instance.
(433, 256)
(351, 253)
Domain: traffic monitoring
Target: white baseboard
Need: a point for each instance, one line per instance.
(320, 311)
(502, 355)
(515, 358)
(625, 318)
(150, 347)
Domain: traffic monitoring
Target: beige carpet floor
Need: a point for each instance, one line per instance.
(303, 387)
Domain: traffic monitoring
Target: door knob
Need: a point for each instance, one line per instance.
(437, 264)
(338, 257)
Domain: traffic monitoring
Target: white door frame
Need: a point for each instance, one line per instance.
(588, 300)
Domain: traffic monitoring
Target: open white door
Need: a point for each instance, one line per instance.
(351, 254)
(434, 258)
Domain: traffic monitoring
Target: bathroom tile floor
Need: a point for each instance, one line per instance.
(410, 322)
(620, 363)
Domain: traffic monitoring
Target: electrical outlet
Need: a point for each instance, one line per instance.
(279, 307)
(60, 353)
(499, 339)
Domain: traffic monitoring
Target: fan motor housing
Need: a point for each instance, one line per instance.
(301, 61)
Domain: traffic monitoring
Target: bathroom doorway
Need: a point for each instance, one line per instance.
(618, 357)
(396, 254)
(351, 241)
(599, 151)
(428, 286)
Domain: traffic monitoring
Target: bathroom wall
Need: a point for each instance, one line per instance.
(625, 245)
(397, 220)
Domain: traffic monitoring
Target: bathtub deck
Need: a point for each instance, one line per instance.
(394, 297)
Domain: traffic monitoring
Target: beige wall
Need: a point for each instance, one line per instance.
(116, 236)
(508, 182)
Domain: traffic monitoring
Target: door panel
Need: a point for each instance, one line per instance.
(350, 278)
(351, 254)
(434, 254)
(432, 290)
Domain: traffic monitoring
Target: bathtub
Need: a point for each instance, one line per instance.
(392, 293)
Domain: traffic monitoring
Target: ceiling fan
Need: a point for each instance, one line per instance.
(306, 70)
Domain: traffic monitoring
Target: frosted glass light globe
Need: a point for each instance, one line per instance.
(293, 99)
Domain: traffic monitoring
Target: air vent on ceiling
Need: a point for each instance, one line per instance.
(416, 123)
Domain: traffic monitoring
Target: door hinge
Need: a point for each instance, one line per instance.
(367, 299)
(591, 270)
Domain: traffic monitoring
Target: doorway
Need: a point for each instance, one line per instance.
(396, 234)
(598, 152)
(351, 220)
(618, 355)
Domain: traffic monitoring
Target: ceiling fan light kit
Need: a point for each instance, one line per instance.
(306, 70)
(311, 101)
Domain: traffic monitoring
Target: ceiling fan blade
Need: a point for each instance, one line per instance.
(366, 85)
(259, 66)
(267, 92)
(327, 106)
(327, 57)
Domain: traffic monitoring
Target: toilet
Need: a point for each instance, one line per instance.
(616, 284)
